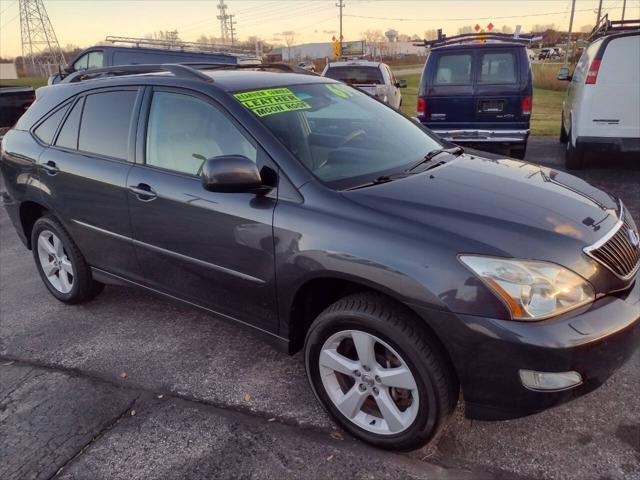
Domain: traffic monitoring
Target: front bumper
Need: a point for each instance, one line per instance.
(488, 353)
(483, 136)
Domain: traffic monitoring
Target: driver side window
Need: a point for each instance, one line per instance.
(184, 131)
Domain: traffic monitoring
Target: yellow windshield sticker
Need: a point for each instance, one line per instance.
(270, 101)
(341, 91)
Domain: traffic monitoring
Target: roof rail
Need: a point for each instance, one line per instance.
(283, 67)
(478, 37)
(179, 45)
(609, 27)
(179, 70)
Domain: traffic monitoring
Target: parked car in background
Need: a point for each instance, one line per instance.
(548, 53)
(407, 271)
(14, 101)
(479, 94)
(112, 55)
(601, 109)
(308, 65)
(374, 78)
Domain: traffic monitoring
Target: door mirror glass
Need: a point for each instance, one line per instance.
(401, 84)
(232, 174)
(563, 74)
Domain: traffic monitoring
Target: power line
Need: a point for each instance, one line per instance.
(468, 18)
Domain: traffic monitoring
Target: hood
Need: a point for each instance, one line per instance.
(502, 206)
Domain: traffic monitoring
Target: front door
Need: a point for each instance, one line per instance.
(212, 249)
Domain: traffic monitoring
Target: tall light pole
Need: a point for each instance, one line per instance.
(566, 53)
(624, 7)
(340, 5)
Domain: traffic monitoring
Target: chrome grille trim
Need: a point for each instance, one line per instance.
(615, 251)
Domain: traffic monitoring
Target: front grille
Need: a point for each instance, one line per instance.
(620, 252)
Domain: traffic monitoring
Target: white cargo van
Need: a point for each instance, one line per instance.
(601, 110)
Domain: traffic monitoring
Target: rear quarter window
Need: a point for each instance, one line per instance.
(47, 129)
(497, 68)
(453, 69)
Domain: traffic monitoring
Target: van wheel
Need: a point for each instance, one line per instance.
(378, 373)
(62, 267)
(574, 159)
(518, 152)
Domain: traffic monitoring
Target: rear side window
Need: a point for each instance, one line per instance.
(47, 129)
(68, 136)
(454, 69)
(356, 75)
(497, 68)
(105, 123)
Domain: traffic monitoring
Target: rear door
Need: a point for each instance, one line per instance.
(449, 89)
(83, 175)
(499, 90)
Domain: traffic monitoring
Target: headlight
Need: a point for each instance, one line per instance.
(532, 290)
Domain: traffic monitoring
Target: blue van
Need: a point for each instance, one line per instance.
(110, 56)
(478, 94)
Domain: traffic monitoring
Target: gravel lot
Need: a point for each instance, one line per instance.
(134, 386)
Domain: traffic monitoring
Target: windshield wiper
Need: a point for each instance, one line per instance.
(433, 153)
(379, 180)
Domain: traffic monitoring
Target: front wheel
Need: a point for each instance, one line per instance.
(379, 373)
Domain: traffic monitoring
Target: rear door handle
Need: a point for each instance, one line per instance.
(143, 191)
(50, 167)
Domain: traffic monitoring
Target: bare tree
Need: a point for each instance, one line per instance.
(465, 29)
(431, 34)
(289, 39)
(586, 28)
(506, 29)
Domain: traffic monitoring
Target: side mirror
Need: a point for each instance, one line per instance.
(564, 75)
(233, 174)
(401, 84)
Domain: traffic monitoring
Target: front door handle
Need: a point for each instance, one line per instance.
(50, 167)
(143, 191)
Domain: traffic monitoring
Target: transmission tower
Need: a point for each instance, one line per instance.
(40, 48)
(224, 19)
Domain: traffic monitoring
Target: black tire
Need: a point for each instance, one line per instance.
(518, 152)
(563, 133)
(84, 287)
(574, 158)
(393, 324)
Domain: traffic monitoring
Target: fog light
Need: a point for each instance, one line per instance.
(549, 381)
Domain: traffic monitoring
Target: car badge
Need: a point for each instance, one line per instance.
(633, 237)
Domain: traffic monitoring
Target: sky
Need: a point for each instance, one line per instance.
(86, 22)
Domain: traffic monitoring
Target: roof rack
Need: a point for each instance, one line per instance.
(171, 44)
(478, 37)
(188, 70)
(609, 27)
(179, 70)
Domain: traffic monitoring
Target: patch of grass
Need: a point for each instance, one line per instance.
(547, 106)
(34, 82)
(545, 76)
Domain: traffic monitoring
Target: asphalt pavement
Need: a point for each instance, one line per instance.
(134, 386)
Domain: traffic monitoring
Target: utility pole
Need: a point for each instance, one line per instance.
(624, 7)
(232, 29)
(566, 53)
(340, 5)
(599, 12)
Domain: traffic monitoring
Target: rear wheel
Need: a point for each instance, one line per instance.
(379, 373)
(574, 158)
(518, 152)
(62, 267)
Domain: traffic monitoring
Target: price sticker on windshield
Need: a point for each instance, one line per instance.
(271, 101)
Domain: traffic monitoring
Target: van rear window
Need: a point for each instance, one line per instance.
(454, 69)
(356, 75)
(497, 68)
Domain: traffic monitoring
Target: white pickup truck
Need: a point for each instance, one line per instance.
(374, 78)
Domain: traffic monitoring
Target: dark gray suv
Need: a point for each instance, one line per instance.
(407, 270)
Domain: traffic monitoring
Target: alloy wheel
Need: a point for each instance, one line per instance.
(369, 382)
(54, 261)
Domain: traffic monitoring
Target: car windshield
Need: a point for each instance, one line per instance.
(343, 136)
(355, 75)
